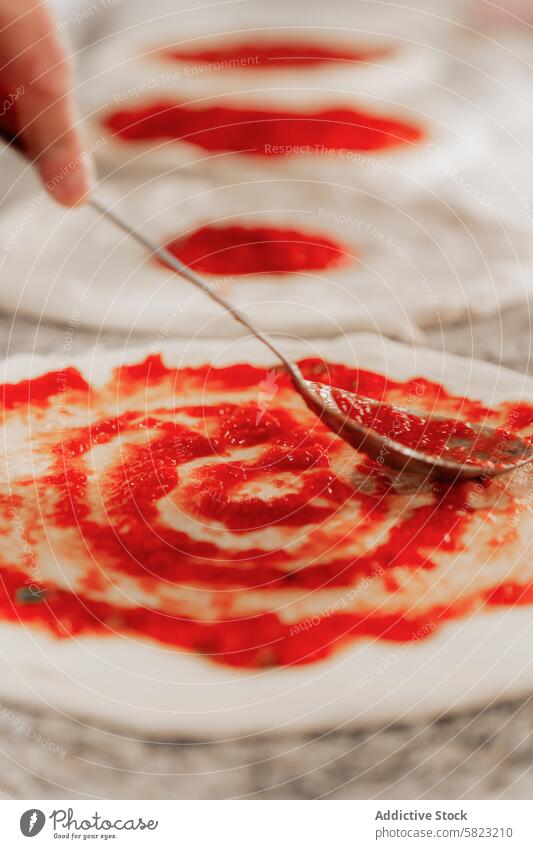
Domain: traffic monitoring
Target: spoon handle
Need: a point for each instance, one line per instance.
(208, 289)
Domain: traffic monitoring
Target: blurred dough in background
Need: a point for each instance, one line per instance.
(300, 260)
(430, 203)
(280, 87)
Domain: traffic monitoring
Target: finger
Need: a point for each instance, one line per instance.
(36, 63)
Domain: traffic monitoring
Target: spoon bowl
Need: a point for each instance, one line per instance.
(434, 446)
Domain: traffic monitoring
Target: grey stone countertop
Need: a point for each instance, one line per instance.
(485, 754)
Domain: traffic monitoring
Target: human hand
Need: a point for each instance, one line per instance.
(36, 102)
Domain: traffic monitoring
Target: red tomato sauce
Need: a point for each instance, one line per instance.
(270, 55)
(235, 249)
(446, 438)
(231, 449)
(260, 132)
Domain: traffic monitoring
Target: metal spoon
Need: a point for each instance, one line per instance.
(461, 450)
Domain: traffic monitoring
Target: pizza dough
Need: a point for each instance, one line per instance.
(248, 89)
(390, 267)
(190, 553)
(421, 245)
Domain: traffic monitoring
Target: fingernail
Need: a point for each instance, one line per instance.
(69, 185)
(71, 189)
